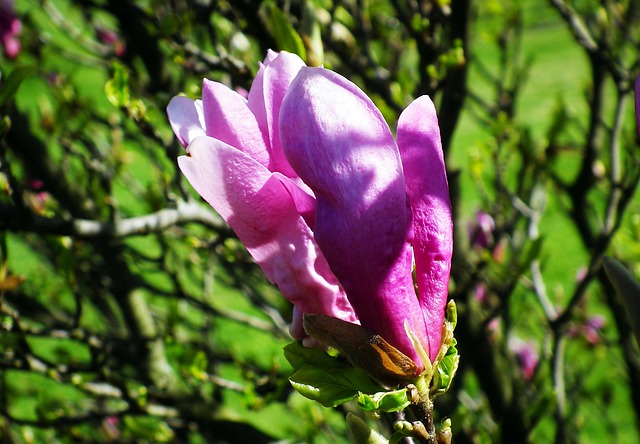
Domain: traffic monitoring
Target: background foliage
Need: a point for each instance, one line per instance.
(129, 313)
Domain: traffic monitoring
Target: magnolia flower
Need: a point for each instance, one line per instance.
(308, 175)
(235, 162)
(590, 329)
(526, 355)
(112, 39)
(481, 231)
(381, 206)
(10, 28)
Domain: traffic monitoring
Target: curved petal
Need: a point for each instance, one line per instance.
(185, 116)
(255, 99)
(302, 196)
(421, 151)
(261, 212)
(271, 55)
(338, 142)
(265, 98)
(227, 118)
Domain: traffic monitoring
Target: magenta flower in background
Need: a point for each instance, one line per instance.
(481, 231)
(381, 207)
(308, 175)
(590, 329)
(526, 355)
(235, 162)
(10, 28)
(112, 39)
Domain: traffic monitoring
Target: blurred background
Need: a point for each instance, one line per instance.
(129, 312)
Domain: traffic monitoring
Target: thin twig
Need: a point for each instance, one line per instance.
(184, 212)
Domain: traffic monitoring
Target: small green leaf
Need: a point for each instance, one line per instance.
(300, 356)
(446, 370)
(118, 93)
(311, 35)
(531, 252)
(628, 288)
(391, 401)
(452, 314)
(10, 86)
(198, 367)
(361, 433)
(284, 33)
(117, 88)
(332, 387)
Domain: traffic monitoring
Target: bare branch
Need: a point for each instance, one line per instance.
(184, 212)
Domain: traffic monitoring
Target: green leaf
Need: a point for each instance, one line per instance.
(391, 401)
(118, 93)
(446, 370)
(117, 88)
(300, 356)
(10, 86)
(198, 367)
(531, 252)
(311, 35)
(628, 288)
(361, 433)
(332, 382)
(452, 314)
(332, 387)
(284, 33)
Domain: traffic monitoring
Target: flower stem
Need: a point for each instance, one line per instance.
(422, 407)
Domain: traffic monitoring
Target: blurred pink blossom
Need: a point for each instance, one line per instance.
(481, 230)
(10, 29)
(527, 356)
(581, 274)
(112, 39)
(38, 196)
(590, 329)
(110, 428)
(480, 292)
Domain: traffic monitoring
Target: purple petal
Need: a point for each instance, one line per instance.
(302, 196)
(255, 101)
(185, 116)
(255, 98)
(338, 142)
(261, 212)
(265, 98)
(227, 118)
(270, 57)
(421, 150)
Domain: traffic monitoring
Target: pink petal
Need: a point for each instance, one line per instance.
(227, 118)
(421, 150)
(185, 116)
(255, 101)
(270, 57)
(261, 212)
(338, 142)
(302, 196)
(265, 98)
